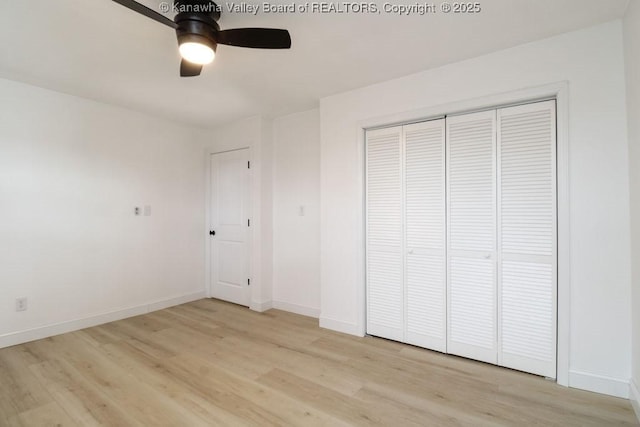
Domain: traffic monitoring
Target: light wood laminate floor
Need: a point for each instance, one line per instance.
(214, 363)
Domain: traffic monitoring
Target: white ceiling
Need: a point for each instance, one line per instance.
(98, 49)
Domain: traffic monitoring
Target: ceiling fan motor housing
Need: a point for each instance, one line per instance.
(196, 25)
(196, 21)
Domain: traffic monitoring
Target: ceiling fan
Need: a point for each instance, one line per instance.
(199, 33)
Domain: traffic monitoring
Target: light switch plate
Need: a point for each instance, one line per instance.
(21, 304)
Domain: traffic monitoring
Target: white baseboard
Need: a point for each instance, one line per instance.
(297, 309)
(261, 306)
(599, 384)
(172, 302)
(21, 337)
(340, 326)
(634, 397)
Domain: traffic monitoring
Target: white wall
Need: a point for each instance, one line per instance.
(256, 134)
(285, 174)
(591, 61)
(296, 240)
(266, 180)
(71, 172)
(632, 62)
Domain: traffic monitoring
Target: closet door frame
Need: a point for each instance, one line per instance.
(555, 90)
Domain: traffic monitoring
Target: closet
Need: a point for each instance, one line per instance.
(461, 235)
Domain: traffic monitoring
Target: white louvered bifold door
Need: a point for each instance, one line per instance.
(527, 268)
(471, 201)
(384, 233)
(425, 252)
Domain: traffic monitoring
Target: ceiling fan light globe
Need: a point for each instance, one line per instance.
(197, 53)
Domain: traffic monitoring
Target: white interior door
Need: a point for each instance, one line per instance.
(471, 199)
(527, 243)
(384, 234)
(229, 226)
(425, 252)
(468, 264)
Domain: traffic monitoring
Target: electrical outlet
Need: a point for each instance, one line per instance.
(21, 304)
(136, 211)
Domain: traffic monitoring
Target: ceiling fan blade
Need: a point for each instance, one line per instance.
(149, 13)
(262, 38)
(189, 69)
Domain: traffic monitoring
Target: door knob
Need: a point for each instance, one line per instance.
(212, 233)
